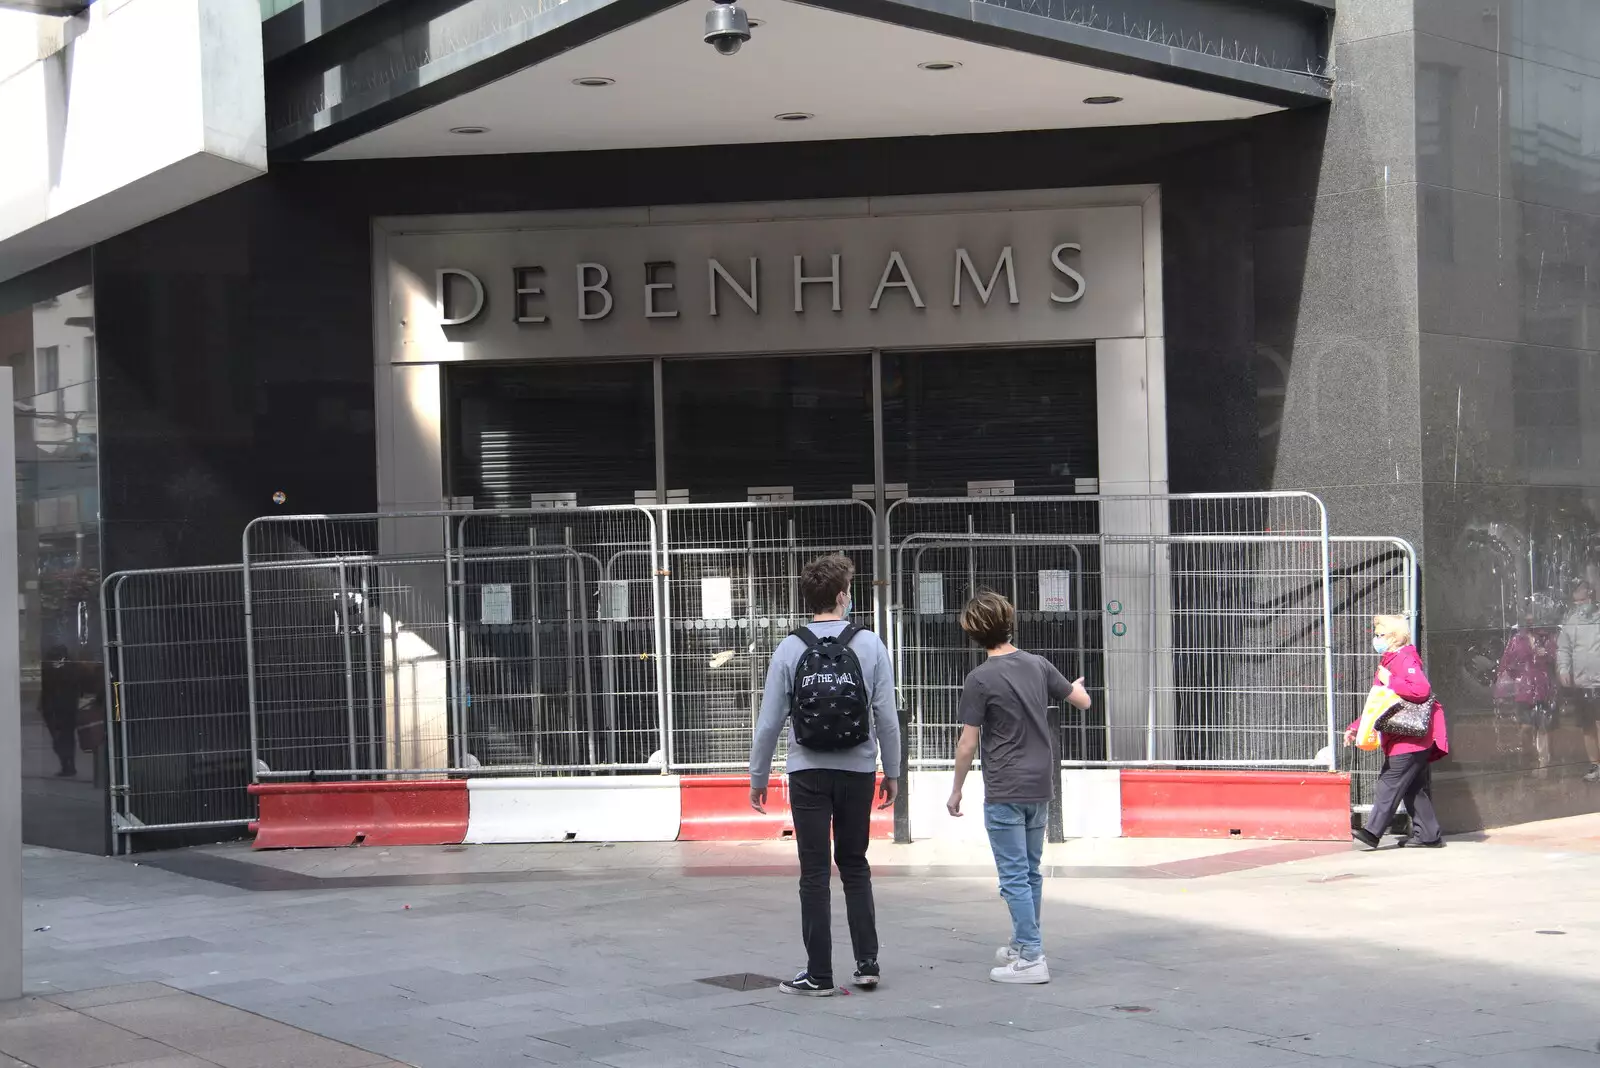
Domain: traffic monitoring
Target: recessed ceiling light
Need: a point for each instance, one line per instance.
(594, 82)
(469, 130)
(938, 64)
(794, 116)
(757, 22)
(1102, 100)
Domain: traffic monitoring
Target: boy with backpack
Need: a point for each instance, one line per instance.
(832, 682)
(1004, 705)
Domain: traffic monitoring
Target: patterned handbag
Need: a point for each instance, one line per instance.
(1408, 719)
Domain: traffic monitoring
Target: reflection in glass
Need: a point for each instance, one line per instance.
(50, 350)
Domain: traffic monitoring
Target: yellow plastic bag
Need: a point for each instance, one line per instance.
(1379, 701)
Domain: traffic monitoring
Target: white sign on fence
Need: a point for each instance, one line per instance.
(1055, 591)
(716, 598)
(496, 598)
(930, 593)
(613, 599)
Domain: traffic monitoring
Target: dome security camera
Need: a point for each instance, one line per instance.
(727, 28)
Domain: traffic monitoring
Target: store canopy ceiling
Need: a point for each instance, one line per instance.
(408, 78)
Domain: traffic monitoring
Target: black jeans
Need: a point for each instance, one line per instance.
(838, 805)
(1406, 777)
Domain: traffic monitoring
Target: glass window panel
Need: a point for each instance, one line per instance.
(1027, 415)
(49, 347)
(587, 428)
(800, 421)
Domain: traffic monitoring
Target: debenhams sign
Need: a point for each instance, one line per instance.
(785, 285)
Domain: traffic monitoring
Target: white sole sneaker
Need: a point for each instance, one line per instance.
(1005, 955)
(1022, 972)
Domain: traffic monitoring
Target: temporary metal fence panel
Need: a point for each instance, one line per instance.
(732, 593)
(637, 639)
(177, 699)
(558, 640)
(430, 643)
(1369, 577)
(1200, 623)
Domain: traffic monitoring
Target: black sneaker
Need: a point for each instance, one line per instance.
(1417, 843)
(867, 974)
(1365, 839)
(806, 987)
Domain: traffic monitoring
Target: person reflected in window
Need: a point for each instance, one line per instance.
(60, 686)
(1578, 660)
(1525, 682)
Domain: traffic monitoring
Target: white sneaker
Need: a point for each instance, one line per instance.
(1022, 971)
(1005, 955)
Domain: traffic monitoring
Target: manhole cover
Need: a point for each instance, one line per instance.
(740, 981)
(1131, 1008)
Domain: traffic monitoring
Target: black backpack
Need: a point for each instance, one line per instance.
(828, 701)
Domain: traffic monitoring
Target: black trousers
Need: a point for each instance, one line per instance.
(837, 806)
(1406, 777)
(63, 727)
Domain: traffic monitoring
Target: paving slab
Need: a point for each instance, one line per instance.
(1226, 954)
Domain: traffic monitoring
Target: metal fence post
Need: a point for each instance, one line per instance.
(250, 652)
(343, 618)
(902, 800)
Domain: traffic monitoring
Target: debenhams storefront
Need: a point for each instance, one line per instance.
(993, 254)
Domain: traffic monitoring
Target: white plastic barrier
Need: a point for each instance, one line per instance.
(1091, 803)
(642, 808)
(929, 819)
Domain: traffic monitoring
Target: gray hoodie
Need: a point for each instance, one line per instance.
(775, 710)
(1578, 650)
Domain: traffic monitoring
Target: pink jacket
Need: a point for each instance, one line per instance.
(1407, 679)
(1524, 674)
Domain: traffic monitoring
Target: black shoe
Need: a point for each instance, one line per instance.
(1417, 843)
(867, 974)
(67, 773)
(807, 987)
(1365, 839)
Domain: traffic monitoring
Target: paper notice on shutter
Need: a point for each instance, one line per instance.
(1055, 591)
(496, 597)
(930, 593)
(716, 598)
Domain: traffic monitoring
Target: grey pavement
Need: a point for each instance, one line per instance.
(1244, 955)
(149, 1025)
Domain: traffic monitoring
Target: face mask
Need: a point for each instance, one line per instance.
(1380, 644)
(849, 604)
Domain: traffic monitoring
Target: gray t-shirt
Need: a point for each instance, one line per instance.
(1008, 696)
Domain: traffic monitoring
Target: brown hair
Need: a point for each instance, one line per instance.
(989, 619)
(824, 579)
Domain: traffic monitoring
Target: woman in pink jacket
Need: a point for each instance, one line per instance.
(1407, 762)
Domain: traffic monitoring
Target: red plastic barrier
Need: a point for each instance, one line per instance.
(716, 808)
(308, 815)
(1303, 806)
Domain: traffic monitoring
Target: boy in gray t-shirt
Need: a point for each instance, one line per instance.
(1004, 704)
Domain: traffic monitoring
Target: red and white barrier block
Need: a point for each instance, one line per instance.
(1096, 803)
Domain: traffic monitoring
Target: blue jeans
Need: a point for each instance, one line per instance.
(1016, 834)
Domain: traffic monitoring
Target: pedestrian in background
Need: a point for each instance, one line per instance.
(1407, 775)
(1004, 712)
